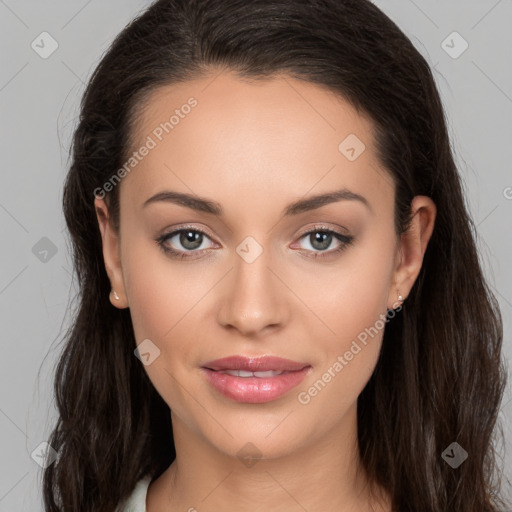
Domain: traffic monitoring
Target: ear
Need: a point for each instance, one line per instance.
(413, 244)
(111, 254)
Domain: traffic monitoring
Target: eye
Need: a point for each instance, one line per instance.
(187, 240)
(190, 242)
(321, 238)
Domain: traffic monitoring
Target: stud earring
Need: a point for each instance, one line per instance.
(115, 295)
(400, 298)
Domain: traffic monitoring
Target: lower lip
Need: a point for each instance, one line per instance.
(255, 390)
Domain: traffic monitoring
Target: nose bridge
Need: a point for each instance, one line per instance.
(253, 299)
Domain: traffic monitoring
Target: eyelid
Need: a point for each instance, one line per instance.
(184, 227)
(322, 227)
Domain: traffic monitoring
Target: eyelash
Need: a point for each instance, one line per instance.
(345, 240)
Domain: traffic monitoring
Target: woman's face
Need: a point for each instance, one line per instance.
(254, 275)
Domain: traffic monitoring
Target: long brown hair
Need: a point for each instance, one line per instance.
(439, 378)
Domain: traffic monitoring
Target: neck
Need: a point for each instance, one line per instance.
(325, 474)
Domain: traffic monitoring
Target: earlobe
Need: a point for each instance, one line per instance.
(111, 255)
(413, 244)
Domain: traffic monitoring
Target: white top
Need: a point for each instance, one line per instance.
(136, 502)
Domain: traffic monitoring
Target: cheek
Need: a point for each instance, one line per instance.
(353, 305)
(348, 361)
(159, 300)
(160, 291)
(350, 296)
(163, 300)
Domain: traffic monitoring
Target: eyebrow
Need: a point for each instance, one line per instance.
(302, 205)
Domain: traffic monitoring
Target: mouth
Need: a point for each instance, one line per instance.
(244, 374)
(254, 380)
(254, 364)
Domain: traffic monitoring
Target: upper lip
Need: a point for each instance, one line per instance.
(255, 364)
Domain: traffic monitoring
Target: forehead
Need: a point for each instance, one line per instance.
(221, 133)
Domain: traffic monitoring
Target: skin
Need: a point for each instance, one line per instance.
(255, 148)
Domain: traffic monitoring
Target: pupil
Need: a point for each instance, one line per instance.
(323, 238)
(189, 239)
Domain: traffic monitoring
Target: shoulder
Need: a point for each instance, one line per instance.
(136, 502)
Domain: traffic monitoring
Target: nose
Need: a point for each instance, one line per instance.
(253, 299)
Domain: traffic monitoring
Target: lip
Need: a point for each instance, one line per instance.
(255, 364)
(255, 390)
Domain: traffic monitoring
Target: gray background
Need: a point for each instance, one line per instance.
(39, 103)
